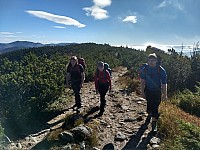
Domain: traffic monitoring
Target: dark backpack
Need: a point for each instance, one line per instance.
(107, 67)
(82, 62)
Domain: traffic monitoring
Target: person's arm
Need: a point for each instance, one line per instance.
(109, 80)
(67, 79)
(68, 75)
(142, 87)
(164, 91)
(164, 84)
(142, 83)
(82, 78)
(96, 83)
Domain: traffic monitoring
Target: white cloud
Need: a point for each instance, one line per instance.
(102, 3)
(6, 33)
(173, 3)
(96, 12)
(56, 18)
(8, 36)
(60, 27)
(132, 19)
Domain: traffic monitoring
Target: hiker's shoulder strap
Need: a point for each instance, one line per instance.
(80, 68)
(105, 73)
(144, 69)
(162, 73)
(159, 69)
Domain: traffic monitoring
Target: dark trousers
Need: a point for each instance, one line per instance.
(153, 101)
(103, 89)
(76, 88)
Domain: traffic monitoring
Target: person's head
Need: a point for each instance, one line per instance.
(152, 60)
(74, 60)
(100, 65)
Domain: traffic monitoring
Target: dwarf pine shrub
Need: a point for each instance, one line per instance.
(189, 101)
(1, 133)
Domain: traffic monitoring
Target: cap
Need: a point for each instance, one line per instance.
(73, 58)
(152, 56)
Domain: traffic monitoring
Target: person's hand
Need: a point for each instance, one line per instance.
(81, 85)
(164, 97)
(143, 95)
(97, 91)
(67, 85)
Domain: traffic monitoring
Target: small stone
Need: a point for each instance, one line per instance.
(154, 146)
(155, 140)
(67, 147)
(19, 146)
(95, 148)
(139, 118)
(120, 137)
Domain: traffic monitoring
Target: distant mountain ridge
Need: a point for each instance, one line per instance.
(7, 47)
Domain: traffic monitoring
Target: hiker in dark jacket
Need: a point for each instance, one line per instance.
(75, 73)
(153, 87)
(102, 84)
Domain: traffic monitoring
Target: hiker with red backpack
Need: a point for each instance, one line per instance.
(153, 87)
(75, 74)
(102, 84)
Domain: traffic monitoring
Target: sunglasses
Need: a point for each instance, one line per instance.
(152, 60)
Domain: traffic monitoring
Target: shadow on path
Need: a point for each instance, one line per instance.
(135, 141)
(87, 116)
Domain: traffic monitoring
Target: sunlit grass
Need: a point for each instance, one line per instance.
(180, 130)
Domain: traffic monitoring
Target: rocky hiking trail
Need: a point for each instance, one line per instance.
(123, 126)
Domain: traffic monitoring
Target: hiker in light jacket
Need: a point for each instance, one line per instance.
(153, 87)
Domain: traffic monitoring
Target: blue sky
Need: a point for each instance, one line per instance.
(115, 22)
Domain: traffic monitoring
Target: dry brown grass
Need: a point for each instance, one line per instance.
(132, 85)
(93, 139)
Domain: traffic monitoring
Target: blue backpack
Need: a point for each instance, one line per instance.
(143, 66)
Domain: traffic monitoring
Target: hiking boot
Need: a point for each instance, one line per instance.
(100, 113)
(74, 106)
(79, 106)
(154, 126)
